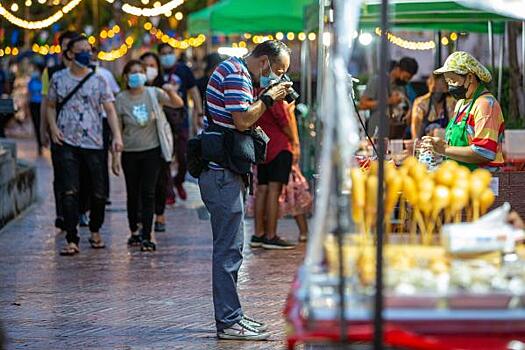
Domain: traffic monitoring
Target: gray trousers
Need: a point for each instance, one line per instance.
(222, 193)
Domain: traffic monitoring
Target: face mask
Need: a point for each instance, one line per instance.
(136, 80)
(151, 73)
(83, 59)
(266, 81)
(168, 61)
(401, 82)
(437, 96)
(458, 92)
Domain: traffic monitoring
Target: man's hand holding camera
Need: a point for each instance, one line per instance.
(279, 91)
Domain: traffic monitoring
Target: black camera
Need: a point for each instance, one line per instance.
(292, 95)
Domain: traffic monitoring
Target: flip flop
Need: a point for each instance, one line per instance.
(96, 244)
(70, 250)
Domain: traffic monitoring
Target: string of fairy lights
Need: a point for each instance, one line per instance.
(166, 9)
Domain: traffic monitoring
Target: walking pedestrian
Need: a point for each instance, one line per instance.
(47, 75)
(35, 101)
(164, 188)
(232, 106)
(141, 158)
(178, 73)
(76, 100)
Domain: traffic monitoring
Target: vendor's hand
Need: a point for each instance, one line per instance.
(117, 145)
(438, 144)
(395, 98)
(279, 91)
(515, 220)
(56, 135)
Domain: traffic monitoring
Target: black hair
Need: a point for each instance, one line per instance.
(212, 61)
(408, 64)
(163, 45)
(131, 63)
(68, 34)
(272, 49)
(159, 80)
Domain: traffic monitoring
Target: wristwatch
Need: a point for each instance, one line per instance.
(267, 100)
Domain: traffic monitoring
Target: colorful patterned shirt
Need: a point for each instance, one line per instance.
(229, 90)
(485, 129)
(81, 118)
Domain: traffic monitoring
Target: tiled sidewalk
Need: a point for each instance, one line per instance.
(119, 298)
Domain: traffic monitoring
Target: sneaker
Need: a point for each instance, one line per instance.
(277, 243)
(242, 331)
(256, 242)
(148, 246)
(134, 240)
(181, 192)
(262, 327)
(160, 227)
(83, 220)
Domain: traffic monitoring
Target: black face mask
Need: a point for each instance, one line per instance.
(400, 82)
(458, 92)
(437, 96)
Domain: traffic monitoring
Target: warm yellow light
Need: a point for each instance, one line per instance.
(15, 51)
(168, 13)
(148, 26)
(159, 35)
(56, 2)
(301, 36)
(279, 36)
(242, 44)
(35, 47)
(201, 37)
(28, 3)
(454, 36)
(157, 4)
(41, 1)
(444, 41)
(247, 35)
(1, 52)
(7, 50)
(129, 41)
(92, 40)
(145, 2)
(116, 29)
(312, 36)
(103, 34)
(14, 8)
(290, 36)
(111, 33)
(179, 16)
(165, 38)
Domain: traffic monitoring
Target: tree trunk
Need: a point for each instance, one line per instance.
(515, 93)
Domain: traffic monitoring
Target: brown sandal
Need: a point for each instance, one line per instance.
(96, 243)
(70, 250)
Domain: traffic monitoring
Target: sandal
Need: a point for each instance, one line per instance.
(70, 249)
(96, 242)
(148, 246)
(134, 240)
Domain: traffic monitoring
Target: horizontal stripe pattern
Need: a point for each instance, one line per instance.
(485, 129)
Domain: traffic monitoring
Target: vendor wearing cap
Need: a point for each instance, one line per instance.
(474, 134)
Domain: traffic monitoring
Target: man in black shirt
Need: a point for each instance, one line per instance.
(178, 73)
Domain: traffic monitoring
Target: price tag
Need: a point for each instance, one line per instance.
(494, 185)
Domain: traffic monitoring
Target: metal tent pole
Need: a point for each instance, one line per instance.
(491, 45)
(503, 38)
(437, 58)
(523, 64)
(383, 126)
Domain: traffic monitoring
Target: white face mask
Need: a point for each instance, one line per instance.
(151, 73)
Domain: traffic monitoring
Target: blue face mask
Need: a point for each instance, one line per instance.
(136, 80)
(266, 81)
(83, 59)
(168, 61)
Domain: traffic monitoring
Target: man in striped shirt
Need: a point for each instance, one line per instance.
(231, 104)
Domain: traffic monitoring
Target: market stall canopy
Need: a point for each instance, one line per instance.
(254, 16)
(459, 16)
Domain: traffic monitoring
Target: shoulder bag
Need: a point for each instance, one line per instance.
(163, 127)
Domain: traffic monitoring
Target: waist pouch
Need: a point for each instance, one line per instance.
(233, 149)
(196, 164)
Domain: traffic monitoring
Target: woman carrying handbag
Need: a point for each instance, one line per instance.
(147, 144)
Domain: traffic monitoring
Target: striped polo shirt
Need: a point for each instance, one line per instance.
(229, 90)
(485, 129)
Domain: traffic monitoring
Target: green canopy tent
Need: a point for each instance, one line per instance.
(255, 16)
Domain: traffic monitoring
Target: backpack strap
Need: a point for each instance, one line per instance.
(66, 99)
